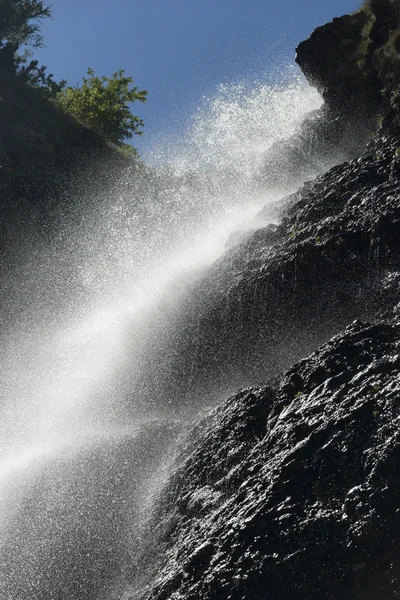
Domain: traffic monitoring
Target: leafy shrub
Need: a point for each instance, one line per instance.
(102, 103)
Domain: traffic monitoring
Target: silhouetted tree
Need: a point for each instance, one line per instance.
(20, 24)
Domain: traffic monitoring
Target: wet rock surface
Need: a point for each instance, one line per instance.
(292, 490)
(285, 289)
(289, 489)
(335, 59)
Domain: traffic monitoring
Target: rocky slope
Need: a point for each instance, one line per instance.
(49, 165)
(290, 490)
(287, 288)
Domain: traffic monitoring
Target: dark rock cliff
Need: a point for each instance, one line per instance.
(335, 60)
(287, 288)
(291, 489)
(340, 60)
(355, 63)
(49, 163)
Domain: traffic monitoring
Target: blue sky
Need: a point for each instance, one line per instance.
(179, 50)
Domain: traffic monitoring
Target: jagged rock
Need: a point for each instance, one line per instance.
(355, 63)
(331, 58)
(336, 59)
(292, 491)
(283, 290)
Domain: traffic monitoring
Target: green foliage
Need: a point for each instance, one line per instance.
(374, 389)
(363, 48)
(103, 104)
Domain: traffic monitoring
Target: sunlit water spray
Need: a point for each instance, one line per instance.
(81, 302)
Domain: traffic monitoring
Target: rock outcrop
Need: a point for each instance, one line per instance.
(292, 490)
(355, 63)
(336, 60)
(287, 288)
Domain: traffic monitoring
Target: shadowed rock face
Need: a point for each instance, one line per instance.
(337, 60)
(332, 59)
(289, 490)
(285, 289)
(292, 490)
(354, 61)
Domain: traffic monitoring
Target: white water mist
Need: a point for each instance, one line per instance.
(92, 287)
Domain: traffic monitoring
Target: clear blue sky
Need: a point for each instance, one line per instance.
(179, 50)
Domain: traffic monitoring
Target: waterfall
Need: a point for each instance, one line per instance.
(82, 455)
